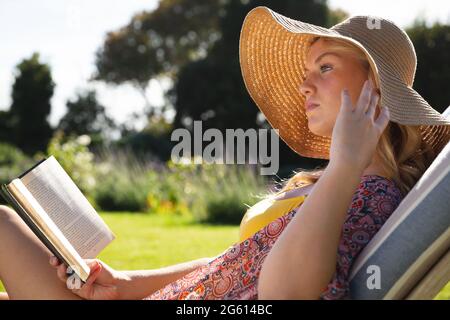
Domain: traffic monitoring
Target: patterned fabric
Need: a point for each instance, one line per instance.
(234, 274)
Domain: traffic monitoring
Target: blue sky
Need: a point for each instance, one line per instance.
(67, 34)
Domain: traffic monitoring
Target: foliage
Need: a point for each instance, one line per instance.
(154, 40)
(152, 142)
(432, 45)
(31, 94)
(125, 181)
(75, 157)
(6, 133)
(118, 192)
(200, 52)
(206, 192)
(212, 89)
(155, 44)
(85, 116)
(137, 185)
(13, 162)
(217, 193)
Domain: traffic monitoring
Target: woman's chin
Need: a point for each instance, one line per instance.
(317, 130)
(313, 127)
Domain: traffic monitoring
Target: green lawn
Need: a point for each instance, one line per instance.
(150, 241)
(147, 241)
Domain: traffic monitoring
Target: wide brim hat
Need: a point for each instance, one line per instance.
(272, 53)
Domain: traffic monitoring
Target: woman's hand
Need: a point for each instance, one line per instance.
(356, 132)
(103, 283)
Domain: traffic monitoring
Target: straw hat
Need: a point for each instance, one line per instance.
(272, 53)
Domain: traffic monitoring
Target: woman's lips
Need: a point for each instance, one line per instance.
(311, 106)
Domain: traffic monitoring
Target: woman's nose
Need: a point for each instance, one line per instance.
(306, 88)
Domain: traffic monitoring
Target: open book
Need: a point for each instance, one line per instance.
(50, 203)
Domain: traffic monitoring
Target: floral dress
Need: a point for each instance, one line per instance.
(233, 275)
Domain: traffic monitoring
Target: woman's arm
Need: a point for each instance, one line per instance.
(303, 260)
(139, 284)
(105, 283)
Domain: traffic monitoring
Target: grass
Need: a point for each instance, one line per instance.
(146, 241)
(444, 294)
(151, 241)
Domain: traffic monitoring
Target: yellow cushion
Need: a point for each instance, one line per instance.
(264, 212)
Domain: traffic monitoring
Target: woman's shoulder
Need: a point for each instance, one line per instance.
(375, 182)
(378, 192)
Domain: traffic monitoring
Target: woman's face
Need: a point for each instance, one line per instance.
(328, 73)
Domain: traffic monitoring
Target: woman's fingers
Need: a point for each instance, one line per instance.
(364, 98)
(346, 102)
(93, 275)
(383, 119)
(368, 98)
(372, 106)
(86, 291)
(54, 262)
(83, 290)
(61, 269)
(61, 272)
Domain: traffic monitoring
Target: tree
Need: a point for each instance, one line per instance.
(157, 43)
(5, 127)
(85, 115)
(212, 89)
(196, 44)
(181, 32)
(432, 45)
(31, 94)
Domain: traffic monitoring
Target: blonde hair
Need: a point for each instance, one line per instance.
(403, 153)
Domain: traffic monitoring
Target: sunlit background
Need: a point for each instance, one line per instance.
(128, 73)
(68, 33)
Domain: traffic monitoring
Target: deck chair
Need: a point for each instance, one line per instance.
(411, 252)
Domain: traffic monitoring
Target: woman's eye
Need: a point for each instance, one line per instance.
(325, 67)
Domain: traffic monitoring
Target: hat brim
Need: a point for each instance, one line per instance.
(272, 51)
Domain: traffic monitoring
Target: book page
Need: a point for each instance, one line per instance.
(42, 221)
(68, 208)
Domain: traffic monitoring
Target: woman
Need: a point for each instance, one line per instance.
(328, 92)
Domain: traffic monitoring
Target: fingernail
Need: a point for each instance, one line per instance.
(96, 270)
(97, 266)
